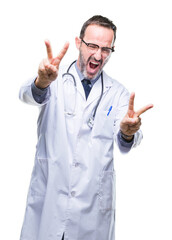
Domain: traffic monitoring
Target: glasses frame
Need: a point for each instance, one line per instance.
(103, 49)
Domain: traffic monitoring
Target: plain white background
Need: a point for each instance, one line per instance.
(142, 62)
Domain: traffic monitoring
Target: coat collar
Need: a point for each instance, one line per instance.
(96, 89)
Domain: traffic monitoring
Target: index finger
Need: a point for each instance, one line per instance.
(144, 109)
(131, 102)
(49, 49)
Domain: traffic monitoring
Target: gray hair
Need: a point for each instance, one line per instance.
(98, 20)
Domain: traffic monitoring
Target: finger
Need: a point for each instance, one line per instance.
(58, 59)
(42, 65)
(50, 69)
(132, 121)
(136, 121)
(131, 102)
(144, 109)
(135, 126)
(134, 129)
(49, 49)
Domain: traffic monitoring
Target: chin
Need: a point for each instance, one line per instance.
(91, 76)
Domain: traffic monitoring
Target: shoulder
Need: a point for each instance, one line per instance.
(115, 85)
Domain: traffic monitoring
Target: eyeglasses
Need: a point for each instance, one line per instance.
(94, 48)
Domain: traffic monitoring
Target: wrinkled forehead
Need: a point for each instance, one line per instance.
(95, 33)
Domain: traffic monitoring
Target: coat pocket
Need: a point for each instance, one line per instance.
(107, 190)
(104, 126)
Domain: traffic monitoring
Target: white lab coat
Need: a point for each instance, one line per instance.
(72, 187)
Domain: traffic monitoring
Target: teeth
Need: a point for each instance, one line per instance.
(94, 63)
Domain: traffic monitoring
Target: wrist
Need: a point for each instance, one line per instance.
(126, 137)
(40, 84)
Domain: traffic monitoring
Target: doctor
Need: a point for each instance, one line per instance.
(72, 189)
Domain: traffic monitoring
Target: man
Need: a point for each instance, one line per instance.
(82, 112)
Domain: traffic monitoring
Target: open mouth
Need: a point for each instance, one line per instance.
(93, 65)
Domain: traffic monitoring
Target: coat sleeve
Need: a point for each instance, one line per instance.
(26, 94)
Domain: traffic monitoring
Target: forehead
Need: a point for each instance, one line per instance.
(99, 35)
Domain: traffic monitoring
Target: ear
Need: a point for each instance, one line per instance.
(114, 47)
(77, 42)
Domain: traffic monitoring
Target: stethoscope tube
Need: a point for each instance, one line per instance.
(101, 95)
(91, 119)
(68, 73)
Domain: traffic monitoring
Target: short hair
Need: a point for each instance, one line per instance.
(98, 20)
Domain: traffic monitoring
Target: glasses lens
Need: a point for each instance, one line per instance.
(106, 51)
(93, 47)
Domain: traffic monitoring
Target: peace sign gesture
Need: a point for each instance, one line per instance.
(48, 68)
(132, 121)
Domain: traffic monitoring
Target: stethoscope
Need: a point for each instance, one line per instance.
(91, 118)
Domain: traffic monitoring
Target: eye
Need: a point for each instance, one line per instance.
(93, 46)
(106, 50)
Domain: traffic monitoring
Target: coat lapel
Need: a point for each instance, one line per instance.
(80, 88)
(97, 88)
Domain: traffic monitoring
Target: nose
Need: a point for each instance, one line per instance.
(98, 55)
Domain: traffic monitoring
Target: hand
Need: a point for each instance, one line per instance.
(48, 68)
(131, 122)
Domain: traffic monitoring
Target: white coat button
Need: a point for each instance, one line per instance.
(73, 193)
(76, 164)
(79, 136)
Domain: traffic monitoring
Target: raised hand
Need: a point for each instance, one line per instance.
(48, 68)
(132, 121)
